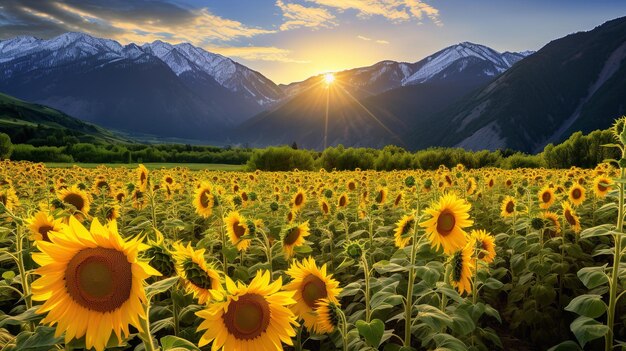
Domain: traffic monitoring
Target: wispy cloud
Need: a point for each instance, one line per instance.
(394, 10)
(377, 41)
(257, 53)
(297, 16)
(125, 21)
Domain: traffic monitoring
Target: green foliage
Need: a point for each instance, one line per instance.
(6, 147)
(282, 158)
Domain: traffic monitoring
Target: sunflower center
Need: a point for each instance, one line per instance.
(445, 223)
(43, 230)
(510, 207)
(75, 200)
(299, 199)
(601, 187)
(407, 227)
(204, 198)
(169, 180)
(142, 177)
(99, 279)
(313, 289)
(576, 194)
(239, 229)
(545, 197)
(292, 236)
(569, 218)
(120, 197)
(325, 207)
(101, 184)
(342, 201)
(248, 317)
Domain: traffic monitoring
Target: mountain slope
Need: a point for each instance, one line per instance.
(461, 62)
(573, 83)
(375, 105)
(23, 121)
(167, 90)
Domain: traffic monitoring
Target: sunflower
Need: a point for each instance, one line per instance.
(298, 200)
(324, 207)
(576, 194)
(91, 283)
(381, 195)
(462, 266)
(41, 224)
(203, 200)
(552, 226)
(327, 316)
(101, 187)
(546, 197)
(238, 228)
(249, 317)
(199, 278)
(76, 197)
(112, 212)
(404, 230)
(8, 198)
(471, 186)
(449, 216)
(571, 217)
(343, 200)
(485, 245)
(294, 237)
(507, 207)
(142, 177)
(398, 199)
(310, 284)
(140, 200)
(602, 185)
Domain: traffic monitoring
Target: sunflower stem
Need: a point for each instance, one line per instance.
(344, 329)
(22, 271)
(145, 334)
(366, 273)
(408, 309)
(614, 282)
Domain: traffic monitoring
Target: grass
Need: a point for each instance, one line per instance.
(191, 166)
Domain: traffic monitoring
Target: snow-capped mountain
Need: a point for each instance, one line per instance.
(158, 88)
(180, 58)
(457, 62)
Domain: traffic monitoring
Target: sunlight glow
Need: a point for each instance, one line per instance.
(329, 78)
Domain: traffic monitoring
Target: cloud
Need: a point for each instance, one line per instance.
(125, 21)
(394, 10)
(256, 53)
(377, 41)
(298, 16)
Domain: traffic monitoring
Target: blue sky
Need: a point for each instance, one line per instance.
(290, 40)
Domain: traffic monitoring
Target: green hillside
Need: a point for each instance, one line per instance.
(28, 123)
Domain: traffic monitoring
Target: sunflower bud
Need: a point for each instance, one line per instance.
(536, 223)
(354, 251)
(409, 181)
(274, 206)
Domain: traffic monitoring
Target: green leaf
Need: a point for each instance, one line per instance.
(160, 286)
(433, 317)
(590, 306)
(493, 284)
(601, 230)
(448, 342)
(173, 343)
(372, 331)
(568, 345)
(8, 275)
(231, 253)
(593, 277)
(42, 339)
(586, 329)
(304, 249)
(386, 267)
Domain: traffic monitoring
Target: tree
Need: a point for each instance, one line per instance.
(6, 147)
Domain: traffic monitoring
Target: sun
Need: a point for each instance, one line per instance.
(329, 78)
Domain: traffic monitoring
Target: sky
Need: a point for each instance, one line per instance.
(291, 40)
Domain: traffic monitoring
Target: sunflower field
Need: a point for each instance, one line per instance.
(452, 259)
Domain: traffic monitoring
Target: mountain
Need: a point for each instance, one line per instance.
(375, 105)
(158, 88)
(460, 62)
(574, 83)
(26, 122)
